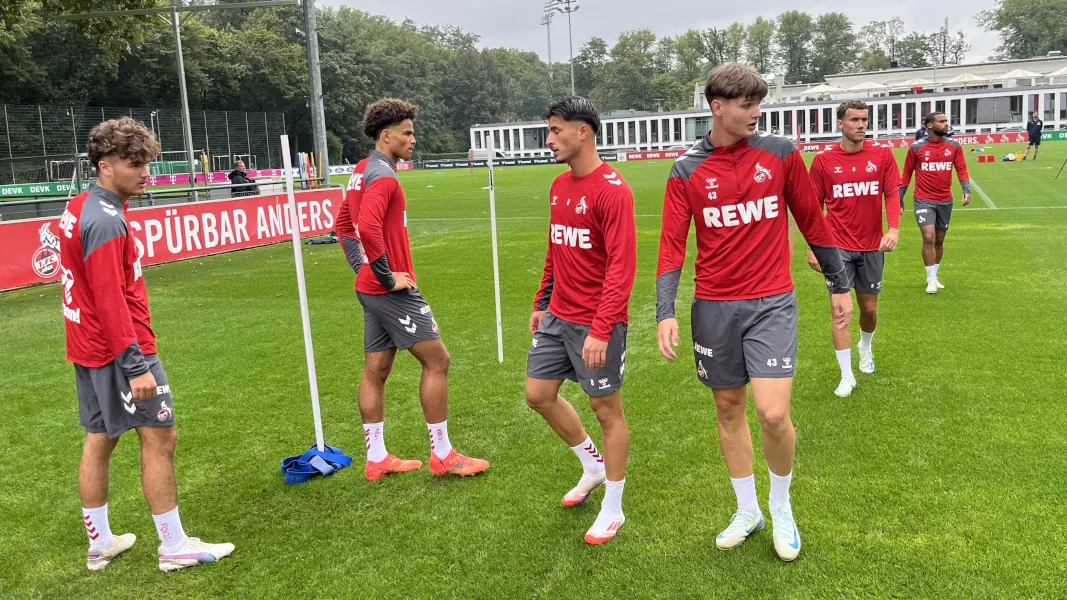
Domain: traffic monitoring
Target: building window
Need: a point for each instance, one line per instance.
(763, 122)
(1016, 109)
(620, 136)
(609, 133)
(909, 118)
(678, 130)
(955, 118)
(776, 125)
(828, 122)
(1050, 112)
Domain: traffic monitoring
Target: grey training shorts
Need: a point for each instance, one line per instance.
(556, 353)
(106, 403)
(864, 270)
(937, 214)
(735, 341)
(396, 320)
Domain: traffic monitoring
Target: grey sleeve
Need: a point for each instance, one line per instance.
(833, 269)
(666, 294)
(966, 185)
(545, 295)
(381, 270)
(132, 361)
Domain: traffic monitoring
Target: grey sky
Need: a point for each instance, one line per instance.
(515, 23)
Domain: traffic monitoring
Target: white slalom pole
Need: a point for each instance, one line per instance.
(496, 258)
(298, 253)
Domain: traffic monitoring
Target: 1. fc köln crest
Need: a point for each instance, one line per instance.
(45, 260)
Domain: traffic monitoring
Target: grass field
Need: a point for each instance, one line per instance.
(941, 477)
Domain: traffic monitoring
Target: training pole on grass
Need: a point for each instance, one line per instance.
(298, 254)
(1061, 168)
(496, 257)
(320, 459)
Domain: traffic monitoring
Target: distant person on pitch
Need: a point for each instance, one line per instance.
(120, 380)
(581, 309)
(853, 180)
(239, 176)
(1033, 130)
(372, 229)
(932, 161)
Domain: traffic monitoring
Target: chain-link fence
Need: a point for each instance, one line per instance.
(38, 143)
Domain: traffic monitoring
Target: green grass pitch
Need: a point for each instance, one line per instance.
(941, 477)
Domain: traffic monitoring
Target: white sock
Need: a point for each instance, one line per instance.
(745, 490)
(592, 462)
(97, 527)
(780, 488)
(439, 443)
(931, 274)
(844, 360)
(374, 433)
(169, 527)
(866, 337)
(612, 496)
(936, 267)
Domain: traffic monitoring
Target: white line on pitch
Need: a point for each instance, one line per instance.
(988, 200)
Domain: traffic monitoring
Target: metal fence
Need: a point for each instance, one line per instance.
(38, 142)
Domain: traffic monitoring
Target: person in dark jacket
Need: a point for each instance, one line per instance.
(1033, 131)
(239, 176)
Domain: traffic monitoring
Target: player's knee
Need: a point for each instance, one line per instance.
(377, 373)
(162, 441)
(537, 400)
(729, 410)
(608, 410)
(939, 243)
(438, 363)
(774, 419)
(928, 238)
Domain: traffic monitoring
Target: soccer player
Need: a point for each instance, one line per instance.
(851, 180)
(736, 184)
(372, 229)
(1034, 127)
(120, 380)
(932, 161)
(581, 309)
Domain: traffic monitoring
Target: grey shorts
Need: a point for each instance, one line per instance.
(864, 270)
(556, 353)
(735, 341)
(937, 214)
(396, 320)
(106, 403)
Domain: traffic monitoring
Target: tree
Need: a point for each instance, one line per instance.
(946, 48)
(759, 45)
(1026, 28)
(913, 50)
(689, 50)
(835, 45)
(663, 56)
(877, 41)
(793, 39)
(589, 66)
(736, 36)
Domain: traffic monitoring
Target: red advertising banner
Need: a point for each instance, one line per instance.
(168, 233)
(654, 155)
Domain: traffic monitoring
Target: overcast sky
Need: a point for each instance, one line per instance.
(516, 23)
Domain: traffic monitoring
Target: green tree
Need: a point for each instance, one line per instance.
(834, 45)
(793, 39)
(1026, 28)
(759, 45)
(913, 50)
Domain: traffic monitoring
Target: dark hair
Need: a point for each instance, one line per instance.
(734, 80)
(576, 108)
(853, 104)
(386, 113)
(930, 118)
(124, 137)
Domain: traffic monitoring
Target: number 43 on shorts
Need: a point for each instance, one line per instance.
(787, 363)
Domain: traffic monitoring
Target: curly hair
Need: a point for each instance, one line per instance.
(125, 138)
(386, 113)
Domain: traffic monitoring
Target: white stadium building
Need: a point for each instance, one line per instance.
(982, 98)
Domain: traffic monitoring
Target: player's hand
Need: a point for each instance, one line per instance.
(889, 240)
(143, 386)
(403, 282)
(594, 353)
(966, 199)
(813, 262)
(841, 307)
(536, 319)
(667, 333)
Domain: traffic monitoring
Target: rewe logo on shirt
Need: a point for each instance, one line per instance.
(733, 215)
(935, 166)
(853, 190)
(565, 235)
